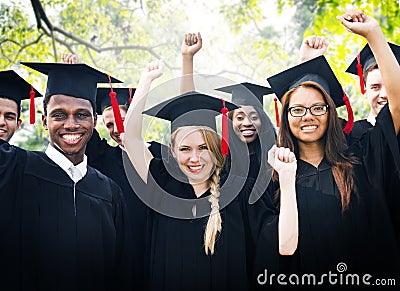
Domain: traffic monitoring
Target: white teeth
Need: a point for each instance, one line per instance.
(71, 137)
(3, 130)
(309, 127)
(195, 167)
(248, 131)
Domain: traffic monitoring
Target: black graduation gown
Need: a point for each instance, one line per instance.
(359, 128)
(108, 160)
(51, 241)
(177, 259)
(362, 237)
(393, 183)
(254, 165)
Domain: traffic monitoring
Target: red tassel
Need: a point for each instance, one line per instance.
(360, 74)
(350, 116)
(225, 134)
(130, 95)
(115, 107)
(276, 111)
(32, 109)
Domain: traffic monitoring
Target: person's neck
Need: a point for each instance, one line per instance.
(199, 188)
(252, 146)
(75, 158)
(312, 153)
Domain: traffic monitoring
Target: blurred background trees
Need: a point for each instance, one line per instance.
(242, 40)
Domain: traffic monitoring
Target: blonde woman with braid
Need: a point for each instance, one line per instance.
(198, 220)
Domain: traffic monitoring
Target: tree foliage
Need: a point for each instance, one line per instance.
(246, 40)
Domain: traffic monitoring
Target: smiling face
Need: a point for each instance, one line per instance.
(70, 123)
(192, 154)
(9, 121)
(308, 129)
(109, 122)
(375, 91)
(246, 123)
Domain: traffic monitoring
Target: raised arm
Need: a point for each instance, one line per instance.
(284, 162)
(312, 46)
(191, 44)
(366, 26)
(133, 141)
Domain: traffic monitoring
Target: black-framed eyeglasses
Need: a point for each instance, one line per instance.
(316, 110)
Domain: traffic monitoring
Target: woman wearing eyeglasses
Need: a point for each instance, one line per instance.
(338, 223)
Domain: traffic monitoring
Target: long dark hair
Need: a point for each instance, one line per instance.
(335, 143)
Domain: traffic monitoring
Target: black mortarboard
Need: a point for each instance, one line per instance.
(365, 59)
(318, 71)
(192, 109)
(124, 97)
(247, 93)
(15, 88)
(77, 80)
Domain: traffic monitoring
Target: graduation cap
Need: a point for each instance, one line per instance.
(318, 71)
(246, 93)
(194, 109)
(117, 96)
(365, 60)
(76, 80)
(15, 88)
(124, 97)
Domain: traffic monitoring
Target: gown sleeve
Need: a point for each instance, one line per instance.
(12, 163)
(10, 159)
(154, 193)
(379, 151)
(265, 235)
(257, 213)
(260, 225)
(124, 242)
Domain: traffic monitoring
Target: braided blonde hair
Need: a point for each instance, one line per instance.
(214, 223)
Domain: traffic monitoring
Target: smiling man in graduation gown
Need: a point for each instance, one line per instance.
(373, 88)
(63, 223)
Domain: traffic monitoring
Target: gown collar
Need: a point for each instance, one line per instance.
(305, 169)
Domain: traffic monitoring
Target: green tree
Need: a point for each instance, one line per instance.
(316, 17)
(249, 40)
